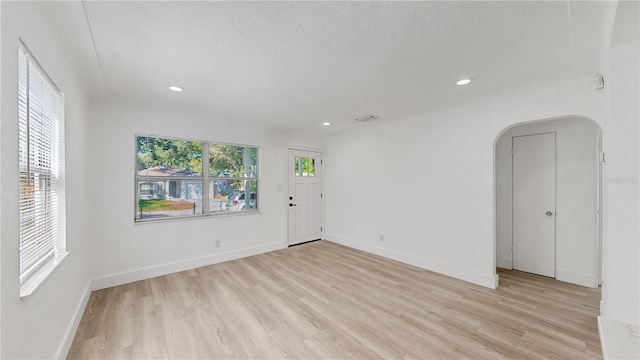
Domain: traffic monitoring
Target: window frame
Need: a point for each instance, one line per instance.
(35, 273)
(204, 176)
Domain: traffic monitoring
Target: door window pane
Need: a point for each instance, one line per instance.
(298, 166)
(308, 166)
(305, 166)
(311, 167)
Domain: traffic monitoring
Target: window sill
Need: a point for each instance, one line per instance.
(34, 281)
(199, 216)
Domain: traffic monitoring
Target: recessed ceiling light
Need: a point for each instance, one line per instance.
(463, 82)
(326, 123)
(176, 88)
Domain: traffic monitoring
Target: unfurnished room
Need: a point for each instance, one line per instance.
(319, 179)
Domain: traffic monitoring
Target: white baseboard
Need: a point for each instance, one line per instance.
(170, 268)
(70, 333)
(576, 278)
(486, 280)
(504, 263)
(618, 340)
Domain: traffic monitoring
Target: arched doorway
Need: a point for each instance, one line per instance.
(548, 199)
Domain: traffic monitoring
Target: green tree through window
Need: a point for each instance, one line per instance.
(181, 155)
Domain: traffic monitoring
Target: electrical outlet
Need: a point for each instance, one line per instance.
(381, 237)
(218, 243)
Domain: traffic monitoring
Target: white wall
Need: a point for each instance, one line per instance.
(621, 273)
(124, 251)
(576, 197)
(427, 181)
(37, 326)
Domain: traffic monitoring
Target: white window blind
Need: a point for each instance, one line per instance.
(39, 105)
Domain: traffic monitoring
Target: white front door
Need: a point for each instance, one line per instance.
(534, 203)
(305, 195)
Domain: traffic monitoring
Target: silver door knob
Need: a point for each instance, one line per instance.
(548, 213)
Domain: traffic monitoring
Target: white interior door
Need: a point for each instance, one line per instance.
(534, 204)
(305, 195)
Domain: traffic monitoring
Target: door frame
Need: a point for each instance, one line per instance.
(599, 190)
(600, 204)
(287, 186)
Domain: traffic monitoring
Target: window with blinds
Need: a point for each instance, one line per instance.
(39, 113)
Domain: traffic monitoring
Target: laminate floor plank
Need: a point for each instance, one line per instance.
(322, 300)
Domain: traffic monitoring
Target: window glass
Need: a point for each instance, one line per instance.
(168, 198)
(233, 161)
(218, 195)
(311, 167)
(234, 200)
(167, 157)
(305, 167)
(298, 166)
(170, 178)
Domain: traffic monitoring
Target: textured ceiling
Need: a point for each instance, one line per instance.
(297, 64)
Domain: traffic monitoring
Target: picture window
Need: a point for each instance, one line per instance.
(184, 178)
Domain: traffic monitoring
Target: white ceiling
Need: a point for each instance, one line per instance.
(297, 64)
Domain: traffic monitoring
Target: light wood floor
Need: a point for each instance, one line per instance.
(325, 301)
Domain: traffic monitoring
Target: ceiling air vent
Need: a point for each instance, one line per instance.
(367, 118)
